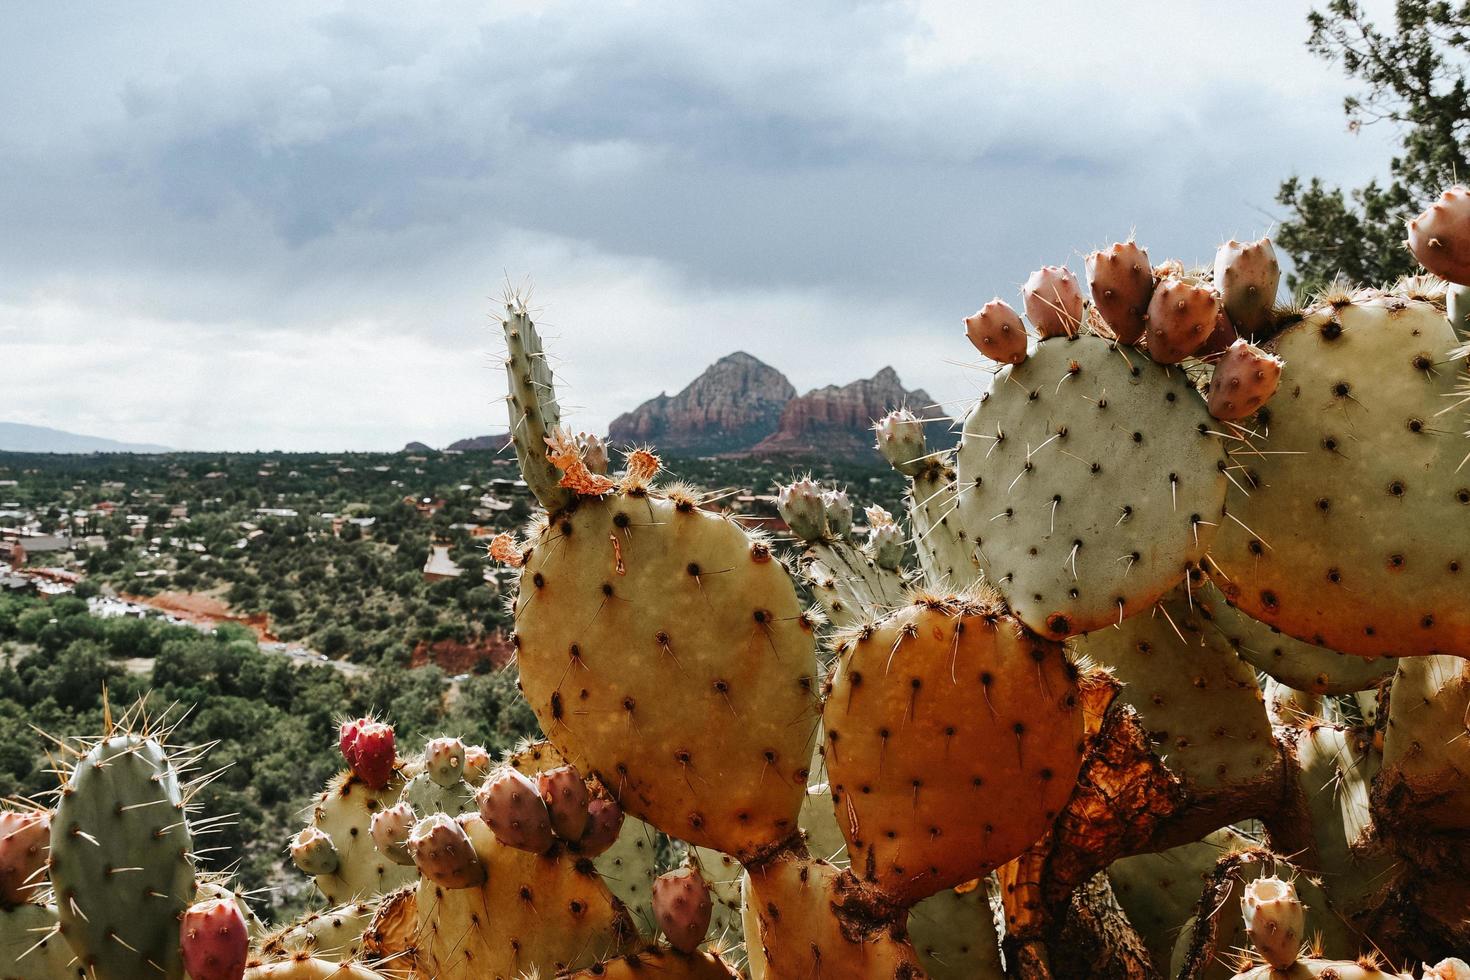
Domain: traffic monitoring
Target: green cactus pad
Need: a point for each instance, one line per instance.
(32, 949)
(1356, 531)
(954, 935)
(793, 926)
(335, 934)
(534, 411)
(953, 738)
(1298, 665)
(121, 861)
(850, 587)
(1090, 481)
(943, 545)
(1159, 891)
(665, 651)
(1336, 771)
(344, 812)
(1426, 746)
(534, 912)
(1199, 702)
(427, 796)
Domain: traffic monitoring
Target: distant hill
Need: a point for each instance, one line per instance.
(741, 405)
(493, 443)
(18, 438)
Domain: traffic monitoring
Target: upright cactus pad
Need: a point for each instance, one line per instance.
(1298, 665)
(1200, 704)
(793, 928)
(31, 947)
(1089, 480)
(1355, 533)
(344, 812)
(533, 912)
(1426, 746)
(953, 739)
(534, 412)
(121, 860)
(639, 620)
(953, 934)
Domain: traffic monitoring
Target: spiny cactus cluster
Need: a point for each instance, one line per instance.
(1164, 672)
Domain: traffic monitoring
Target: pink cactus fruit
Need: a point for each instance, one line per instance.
(373, 754)
(682, 908)
(443, 852)
(997, 332)
(1181, 315)
(1121, 281)
(313, 852)
(1220, 338)
(604, 822)
(476, 763)
(1053, 301)
(347, 738)
(511, 806)
(1440, 237)
(1245, 379)
(214, 941)
(566, 798)
(390, 829)
(25, 842)
(1247, 275)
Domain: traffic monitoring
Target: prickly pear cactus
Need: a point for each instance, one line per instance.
(641, 617)
(122, 860)
(304, 966)
(532, 912)
(921, 811)
(953, 934)
(1426, 746)
(335, 934)
(1336, 770)
(1090, 479)
(534, 412)
(790, 904)
(1199, 702)
(344, 812)
(659, 963)
(1298, 665)
(31, 947)
(1355, 533)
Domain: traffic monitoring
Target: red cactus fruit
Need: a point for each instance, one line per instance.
(997, 332)
(1440, 237)
(373, 754)
(214, 941)
(25, 841)
(604, 822)
(1245, 379)
(1181, 317)
(1053, 301)
(566, 799)
(1122, 282)
(682, 908)
(511, 806)
(443, 852)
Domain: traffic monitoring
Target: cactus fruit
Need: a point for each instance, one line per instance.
(476, 763)
(900, 440)
(443, 853)
(1053, 302)
(1298, 665)
(343, 812)
(31, 947)
(1247, 276)
(25, 839)
(1448, 969)
(567, 800)
(789, 903)
(1181, 317)
(1356, 526)
(885, 539)
(604, 823)
(1089, 481)
(390, 829)
(839, 512)
(368, 747)
(1426, 746)
(312, 851)
(1220, 339)
(631, 597)
(1122, 282)
(803, 510)
(912, 700)
(682, 908)
(532, 912)
(1245, 378)
(512, 807)
(853, 585)
(444, 761)
(1315, 969)
(1274, 919)
(997, 332)
(121, 859)
(1440, 237)
(214, 941)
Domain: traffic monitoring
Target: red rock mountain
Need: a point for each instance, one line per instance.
(741, 405)
(837, 420)
(734, 404)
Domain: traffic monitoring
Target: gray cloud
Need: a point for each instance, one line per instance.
(346, 180)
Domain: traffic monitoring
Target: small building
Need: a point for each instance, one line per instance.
(440, 566)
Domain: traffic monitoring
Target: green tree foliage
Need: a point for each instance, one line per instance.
(1414, 73)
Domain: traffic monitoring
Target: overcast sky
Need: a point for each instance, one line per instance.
(284, 225)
